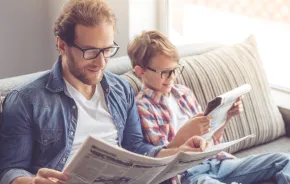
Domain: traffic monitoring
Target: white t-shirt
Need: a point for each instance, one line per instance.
(93, 118)
(178, 117)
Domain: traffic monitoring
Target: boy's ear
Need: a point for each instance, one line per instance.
(139, 70)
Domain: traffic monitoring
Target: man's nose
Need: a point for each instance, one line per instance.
(100, 61)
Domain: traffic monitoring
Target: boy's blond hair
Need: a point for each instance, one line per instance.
(148, 45)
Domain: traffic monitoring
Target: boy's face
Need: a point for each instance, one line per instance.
(161, 79)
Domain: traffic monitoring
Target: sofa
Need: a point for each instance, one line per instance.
(210, 70)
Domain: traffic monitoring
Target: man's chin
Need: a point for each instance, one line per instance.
(92, 80)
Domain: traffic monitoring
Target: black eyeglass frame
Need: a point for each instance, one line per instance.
(166, 71)
(101, 50)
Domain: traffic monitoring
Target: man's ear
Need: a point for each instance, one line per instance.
(139, 71)
(61, 45)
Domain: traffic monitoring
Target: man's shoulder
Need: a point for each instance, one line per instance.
(114, 79)
(32, 90)
(38, 83)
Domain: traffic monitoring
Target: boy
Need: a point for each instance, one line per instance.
(170, 114)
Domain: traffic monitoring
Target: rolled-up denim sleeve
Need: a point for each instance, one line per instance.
(12, 174)
(133, 139)
(16, 141)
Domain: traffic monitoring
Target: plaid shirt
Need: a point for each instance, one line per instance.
(155, 114)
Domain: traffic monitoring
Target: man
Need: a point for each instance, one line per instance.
(46, 121)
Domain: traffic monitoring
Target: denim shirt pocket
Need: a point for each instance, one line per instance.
(48, 136)
(48, 144)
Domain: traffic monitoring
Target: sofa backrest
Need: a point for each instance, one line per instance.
(210, 70)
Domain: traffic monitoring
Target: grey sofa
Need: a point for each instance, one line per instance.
(210, 70)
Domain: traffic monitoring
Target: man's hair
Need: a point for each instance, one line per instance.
(148, 45)
(85, 12)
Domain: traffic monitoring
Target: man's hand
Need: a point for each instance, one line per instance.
(195, 144)
(44, 176)
(198, 125)
(236, 109)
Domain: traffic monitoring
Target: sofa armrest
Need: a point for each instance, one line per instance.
(286, 117)
(281, 96)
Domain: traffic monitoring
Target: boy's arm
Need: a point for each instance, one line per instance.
(150, 127)
(133, 139)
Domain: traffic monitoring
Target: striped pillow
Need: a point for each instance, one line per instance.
(215, 72)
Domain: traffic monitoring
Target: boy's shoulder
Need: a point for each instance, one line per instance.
(181, 90)
(142, 98)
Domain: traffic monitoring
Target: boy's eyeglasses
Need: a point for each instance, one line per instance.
(89, 54)
(167, 73)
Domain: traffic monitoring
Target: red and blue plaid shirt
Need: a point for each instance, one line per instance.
(155, 114)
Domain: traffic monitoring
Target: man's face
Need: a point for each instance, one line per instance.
(89, 72)
(153, 80)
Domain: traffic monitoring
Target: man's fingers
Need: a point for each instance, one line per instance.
(190, 149)
(39, 180)
(49, 173)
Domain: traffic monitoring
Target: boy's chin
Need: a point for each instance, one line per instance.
(166, 91)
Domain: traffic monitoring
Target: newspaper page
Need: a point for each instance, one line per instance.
(100, 163)
(225, 102)
(187, 160)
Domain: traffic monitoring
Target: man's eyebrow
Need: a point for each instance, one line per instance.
(92, 47)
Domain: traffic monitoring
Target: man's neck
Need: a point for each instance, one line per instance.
(86, 90)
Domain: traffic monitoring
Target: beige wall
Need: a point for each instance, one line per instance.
(27, 43)
(24, 37)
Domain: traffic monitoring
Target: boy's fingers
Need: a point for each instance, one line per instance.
(199, 114)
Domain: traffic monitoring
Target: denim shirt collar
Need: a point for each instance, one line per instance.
(56, 83)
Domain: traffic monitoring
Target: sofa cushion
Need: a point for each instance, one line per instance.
(216, 72)
(1, 102)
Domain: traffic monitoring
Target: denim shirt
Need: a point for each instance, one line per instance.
(39, 122)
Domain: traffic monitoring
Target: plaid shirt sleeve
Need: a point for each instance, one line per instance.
(150, 127)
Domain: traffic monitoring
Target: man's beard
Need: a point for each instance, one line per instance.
(80, 73)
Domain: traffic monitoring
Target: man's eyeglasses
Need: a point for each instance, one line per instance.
(167, 73)
(89, 54)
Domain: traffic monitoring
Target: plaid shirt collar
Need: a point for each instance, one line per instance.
(157, 97)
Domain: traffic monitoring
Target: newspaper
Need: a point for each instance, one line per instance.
(219, 106)
(97, 162)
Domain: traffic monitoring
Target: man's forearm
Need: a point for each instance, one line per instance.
(23, 180)
(167, 152)
(16, 176)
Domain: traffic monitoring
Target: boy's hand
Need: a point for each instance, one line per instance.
(198, 125)
(195, 144)
(236, 109)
